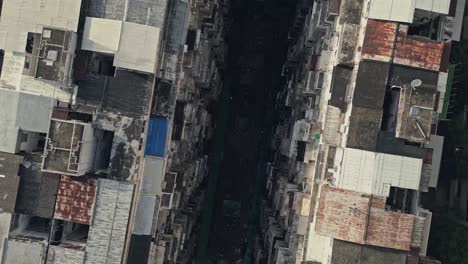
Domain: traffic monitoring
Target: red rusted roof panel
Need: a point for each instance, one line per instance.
(75, 200)
(379, 40)
(419, 53)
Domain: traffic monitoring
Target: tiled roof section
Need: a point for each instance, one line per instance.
(75, 200)
(342, 214)
(379, 40)
(390, 229)
(351, 216)
(418, 53)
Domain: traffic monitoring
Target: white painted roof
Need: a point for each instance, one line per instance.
(436, 6)
(393, 10)
(21, 111)
(101, 35)
(138, 47)
(375, 173)
(22, 16)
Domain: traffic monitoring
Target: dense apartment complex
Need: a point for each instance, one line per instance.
(356, 144)
(105, 111)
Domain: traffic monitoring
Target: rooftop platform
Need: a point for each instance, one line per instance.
(415, 112)
(70, 148)
(75, 200)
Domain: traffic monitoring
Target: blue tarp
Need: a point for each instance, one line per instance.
(157, 137)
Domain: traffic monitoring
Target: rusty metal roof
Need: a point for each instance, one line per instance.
(379, 40)
(351, 216)
(417, 52)
(75, 200)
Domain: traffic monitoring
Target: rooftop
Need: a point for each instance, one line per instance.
(419, 52)
(57, 47)
(109, 226)
(403, 10)
(9, 181)
(371, 81)
(75, 200)
(351, 253)
(375, 173)
(70, 147)
(37, 189)
(349, 216)
(364, 127)
(341, 82)
(415, 112)
(379, 40)
(20, 110)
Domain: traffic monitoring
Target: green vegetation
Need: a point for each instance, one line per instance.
(448, 240)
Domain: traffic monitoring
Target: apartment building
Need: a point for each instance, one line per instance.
(105, 114)
(356, 143)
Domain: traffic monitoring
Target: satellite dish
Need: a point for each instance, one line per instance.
(415, 83)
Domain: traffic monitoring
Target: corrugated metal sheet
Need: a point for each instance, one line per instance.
(157, 137)
(75, 200)
(375, 173)
(62, 255)
(379, 40)
(147, 12)
(436, 6)
(392, 10)
(418, 53)
(145, 215)
(109, 226)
